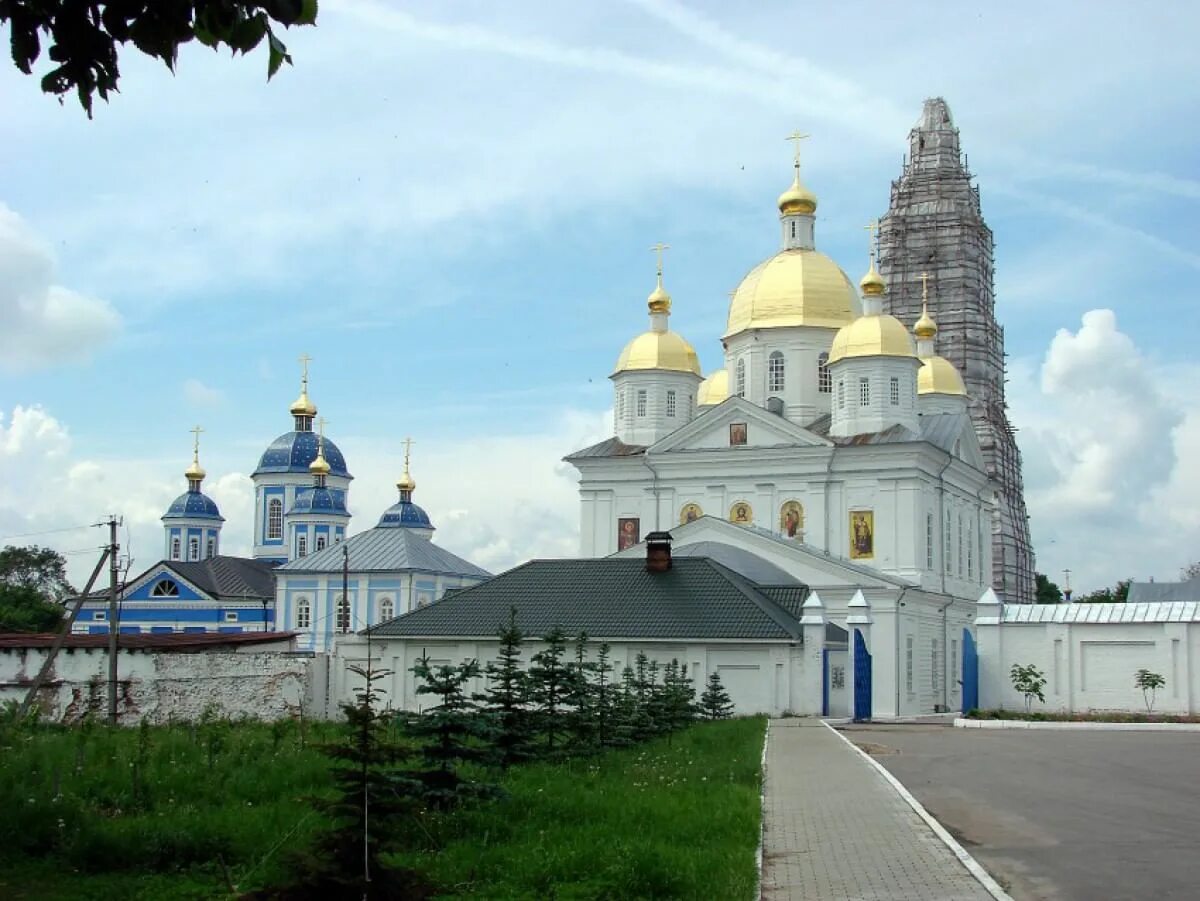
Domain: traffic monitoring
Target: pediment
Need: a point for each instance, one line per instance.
(734, 418)
(141, 588)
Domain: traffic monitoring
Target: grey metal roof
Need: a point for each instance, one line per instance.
(939, 429)
(383, 549)
(1182, 612)
(740, 560)
(608, 598)
(227, 577)
(610, 447)
(1141, 592)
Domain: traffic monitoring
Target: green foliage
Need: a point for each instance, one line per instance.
(40, 568)
(1114, 595)
(1097, 716)
(715, 703)
(549, 685)
(1047, 592)
(24, 609)
(1149, 683)
(1189, 572)
(1029, 682)
(506, 698)
(85, 38)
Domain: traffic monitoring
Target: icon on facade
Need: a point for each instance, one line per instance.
(689, 513)
(741, 513)
(628, 529)
(737, 434)
(791, 520)
(862, 534)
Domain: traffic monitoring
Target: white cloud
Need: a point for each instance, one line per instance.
(1107, 436)
(44, 323)
(198, 394)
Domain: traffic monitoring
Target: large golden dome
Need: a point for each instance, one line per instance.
(938, 375)
(872, 336)
(713, 389)
(658, 350)
(794, 287)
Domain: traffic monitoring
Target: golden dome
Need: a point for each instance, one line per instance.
(872, 284)
(302, 406)
(658, 350)
(797, 199)
(872, 336)
(925, 326)
(195, 471)
(659, 300)
(406, 482)
(319, 466)
(713, 389)
(794, 287)
(938, 375)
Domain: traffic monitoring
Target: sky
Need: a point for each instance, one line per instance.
(450, 207)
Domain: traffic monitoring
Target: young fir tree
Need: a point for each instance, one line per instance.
(641, 722)
(603, 698)
(549, 680)
(451, 733)
(506, 699)
(624, 710)
(368, 813)
(679, 697)
(579, 701)
(656, 702)
(715, 703)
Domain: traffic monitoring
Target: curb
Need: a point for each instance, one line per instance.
(1068, 726)
(990, 885)
(762, 814)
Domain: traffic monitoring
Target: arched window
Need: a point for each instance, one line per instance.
(193, 548)
(824, 376)
(343, 614)
(387, 609)
(165, 588)
(740, 378)
(274, 518)
(303, 613)
(301, 545)
(174, 548)
(212, 547)
(775, 371)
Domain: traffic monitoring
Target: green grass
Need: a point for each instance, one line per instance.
(1093, 716)
(127, 815)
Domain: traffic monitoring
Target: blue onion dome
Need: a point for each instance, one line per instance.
(295, 452)
(320, 500)
(193, 504)
(404, 514)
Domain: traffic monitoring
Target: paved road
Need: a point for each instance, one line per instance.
(835, 829)
(1059, 816)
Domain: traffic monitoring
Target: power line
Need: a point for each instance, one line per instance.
(46, 532)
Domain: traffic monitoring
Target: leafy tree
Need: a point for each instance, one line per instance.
(1028, 681)
(506, 698)
(451, 733)
(1047, 591)
(715, 703)
(24, 610)
(549, 680)
(39, 568)
(1149, 683)
(85, 38)
(1114, 595)
(1189, 572)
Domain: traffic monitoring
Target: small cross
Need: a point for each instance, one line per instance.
(658, 251)
(321, 423)
(873, 227)
(305, 359)
(797, 137)
(924, 286)
(408, 443)
(196, 441)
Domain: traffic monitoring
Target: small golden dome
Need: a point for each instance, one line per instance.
(938, 375)
(406, 482)
(794, 287)
(319, 466)
(872, 284)
(658, 350)
(713, 389)
(195, 471)
(797, 199)
(659, 300)
(872, 336)
(925, 326)
(302, 406)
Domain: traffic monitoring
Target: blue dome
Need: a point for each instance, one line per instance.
(405, 515)
(319, 500)
(293, 451)
(193, 505)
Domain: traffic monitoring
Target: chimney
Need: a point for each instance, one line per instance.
(658, 552)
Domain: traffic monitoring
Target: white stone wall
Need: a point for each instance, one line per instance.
(161, 687)
(801, 346)
(655, 423)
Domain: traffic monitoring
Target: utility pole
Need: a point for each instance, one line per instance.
(113, 624)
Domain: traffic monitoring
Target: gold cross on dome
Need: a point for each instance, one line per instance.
(924, 286)
(658, 252)
(304, 359)
(873, 228)
(196, 441)
(408, 443)
(796, 137)
(321, 423)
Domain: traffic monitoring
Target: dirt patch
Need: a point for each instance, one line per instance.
(875, 750)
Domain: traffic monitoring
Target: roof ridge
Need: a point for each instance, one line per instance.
(767, 605)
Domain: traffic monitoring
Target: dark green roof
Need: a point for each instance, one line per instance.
(608, 598)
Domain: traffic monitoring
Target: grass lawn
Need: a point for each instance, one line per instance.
(180, 812)
(1094, 716)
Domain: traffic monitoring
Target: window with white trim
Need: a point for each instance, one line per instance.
(824, 376)
(231, 616)
(99, 615)
(948, 548)
(864, 392)
(193, 548)
(671, 403)
(929, 541)
(970, 551)
(174, 548)
(935, 665)
(954, 662)
(274, 518)
(342, 622)
(301, 545)
(387, 609)
(740, 378)
(775, 371)
(212, 547)
(641, 402)
(165, 588)
(894, 391)
(321, 539)
(303, 613)
(961, 555)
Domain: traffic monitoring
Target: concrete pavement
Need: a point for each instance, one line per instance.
(834, 828)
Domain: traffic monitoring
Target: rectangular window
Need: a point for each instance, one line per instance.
(99, 615)
(174, 548)
(302, 546)
(671, 403)
(824, 376)
(212, 547)
(193, 548)
(948, 549)
(864, 393)
(641, 403)
(929, 541)
(775, 371)
(320, 542)
(894, 391)
(970, 553)
(841, 394)
(961, 555)
(954, 661)
(231, 616)
(908, 664)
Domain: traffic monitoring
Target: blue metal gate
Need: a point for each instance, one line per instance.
(862, 678)
(824, 681)
(970, 673)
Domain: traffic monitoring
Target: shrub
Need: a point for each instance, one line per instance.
(1149, 683)
(1028, 681)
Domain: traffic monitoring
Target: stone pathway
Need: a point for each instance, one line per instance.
(835, 829)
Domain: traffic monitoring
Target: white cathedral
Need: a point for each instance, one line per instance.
(828, 425)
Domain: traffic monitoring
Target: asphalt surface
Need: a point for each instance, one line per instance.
(1058, 816)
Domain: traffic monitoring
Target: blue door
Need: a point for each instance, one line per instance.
(824, 681)
(970, 673)
(862, 679)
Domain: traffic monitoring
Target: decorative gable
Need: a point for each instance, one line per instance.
(736, 423)
(161, 583)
